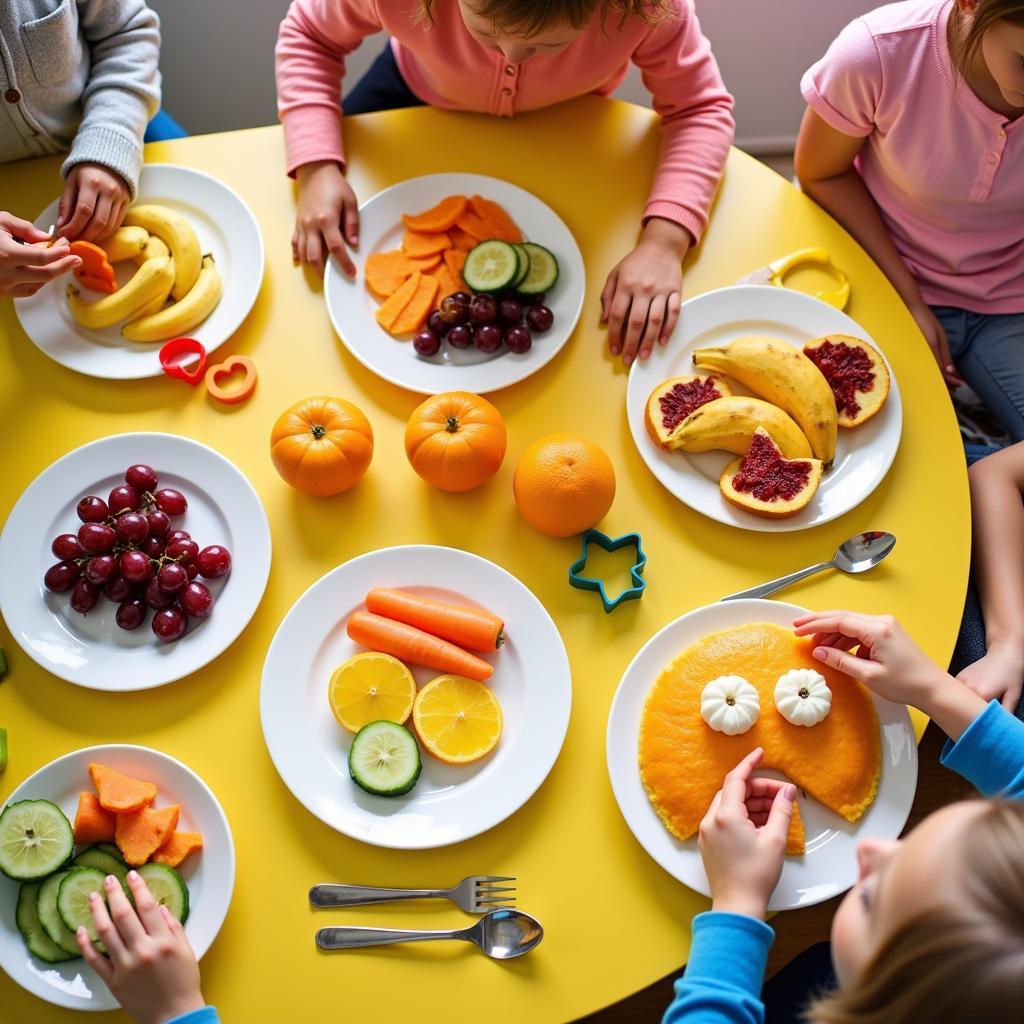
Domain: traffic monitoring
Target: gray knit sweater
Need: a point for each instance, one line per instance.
(78, 75)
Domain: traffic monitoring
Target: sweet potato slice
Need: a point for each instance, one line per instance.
(494, 214)
(455, 260)
(415, 244)
(177, 847)
(118, 792)
(447, 283)
(389, 310)
(92, 823)
(424, 264)
(476, 227)
(139, 834)
(437, 218)
(386, 272)
(418, 308)
(461, 240)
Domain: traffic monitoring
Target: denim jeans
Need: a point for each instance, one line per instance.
(381, 88)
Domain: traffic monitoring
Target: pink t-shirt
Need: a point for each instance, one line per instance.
(946, 171)
(446, 67)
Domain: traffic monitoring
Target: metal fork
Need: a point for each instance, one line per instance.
(477, 894)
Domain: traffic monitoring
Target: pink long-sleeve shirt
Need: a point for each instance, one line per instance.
(446, 67)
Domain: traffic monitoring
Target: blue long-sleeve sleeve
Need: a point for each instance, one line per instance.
(723, 978)
(990, 753)
(207, 1015)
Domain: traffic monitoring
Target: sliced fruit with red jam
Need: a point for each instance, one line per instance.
(765, 483)
(855, 372)
(674, 399)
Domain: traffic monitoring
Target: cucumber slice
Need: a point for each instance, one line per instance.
(524, 262)
(73, 900)
(49, 917)
(168, 888)
(35, 840)
(94, 857)
(111, 849)
(26, 917)
(490, 266)
(543, 272)
(384, 759)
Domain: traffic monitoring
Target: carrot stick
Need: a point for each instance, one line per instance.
(412, 644)
(472, 628)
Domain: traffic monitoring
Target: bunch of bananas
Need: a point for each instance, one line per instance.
(174, 289)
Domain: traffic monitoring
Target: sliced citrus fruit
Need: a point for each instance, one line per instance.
(458, 719)
(371, 687)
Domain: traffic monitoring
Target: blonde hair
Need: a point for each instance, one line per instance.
(961, 961)
(968, 32)
(529, 17)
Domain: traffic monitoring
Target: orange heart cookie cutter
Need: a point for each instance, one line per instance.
(224, 369)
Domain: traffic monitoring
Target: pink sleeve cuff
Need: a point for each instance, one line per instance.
(827, 112)
(312, 133)
(678, 214)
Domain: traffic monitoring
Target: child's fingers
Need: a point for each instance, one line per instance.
(337, 248)
(1011, 698)
(99, 963)
(128, 925)
(81, 213)
(351, 214)
(147, 908)
(49, 271)
(315, 250)
(617, 313)
(781, 814)
(759, 788)
(734, 786)
(106, 929)
(39, 256)
(23, 229)
(655, 321)
(671, 316)
(176, 929)
(634, 327)
(861, 669)
(97, 223)
(848, 624)
(606, 295)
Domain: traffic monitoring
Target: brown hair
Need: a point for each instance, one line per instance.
(529, 17)
(967, 31)
(962, 961)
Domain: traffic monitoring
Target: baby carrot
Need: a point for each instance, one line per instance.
(412, 644)
(472, 628)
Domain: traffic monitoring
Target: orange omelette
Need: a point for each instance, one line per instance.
(683, 760)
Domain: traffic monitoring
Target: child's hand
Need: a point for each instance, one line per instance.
(326, 202)
(640, 301)
(25, 268)
(93, 204)
(935, 334)
(743, 839)
(152, 970)
(998, 676)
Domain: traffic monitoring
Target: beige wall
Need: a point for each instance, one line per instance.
(218, 60)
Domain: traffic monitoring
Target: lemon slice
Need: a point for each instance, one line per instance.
(458, 720)
(371, 687)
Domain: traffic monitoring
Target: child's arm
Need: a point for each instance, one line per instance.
(998, 516)
(121, 95)
(641, 299)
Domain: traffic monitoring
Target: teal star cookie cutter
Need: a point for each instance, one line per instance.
(581, 582)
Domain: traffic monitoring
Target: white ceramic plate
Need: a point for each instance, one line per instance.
(830, 864)
(863, 455)
(209, 874)
(226, 228)
(449, 802)
(90, 650)
(351, 305)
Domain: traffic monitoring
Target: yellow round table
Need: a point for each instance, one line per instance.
(614, 921)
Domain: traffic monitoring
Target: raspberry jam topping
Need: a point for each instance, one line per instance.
(847, 369)
(766, 475)
(684, 397)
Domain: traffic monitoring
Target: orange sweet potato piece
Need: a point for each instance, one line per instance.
(139, 834)
(118, 792)
(177, 847)
(389, 310)
(424, 264)
(437, 218)
(494, 214)
(417, 244)
(447, 283)
(476, 227)
(418, 308)
(92, 823)
(455, 260)
(461, 240)
(386, 272)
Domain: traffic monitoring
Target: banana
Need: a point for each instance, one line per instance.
(150, 280)
(155, 248)
(125, 244)
(182, 316)
(784, 376)
(180, 237)
(165, 293)
(729, 423)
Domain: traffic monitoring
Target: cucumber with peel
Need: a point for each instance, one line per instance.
(73, 900)
(26, 917)
(543, 272)
(491, 266)
(524, 262)
(384, 759)
(49, 917)
(94, 857)
(168, 888)
(35, 840)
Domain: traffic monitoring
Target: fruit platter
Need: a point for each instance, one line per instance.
(463, 282)
(415, 697)
(144, 573)
(187, 261)
(721, 680)
(93, 813)
(770, 410)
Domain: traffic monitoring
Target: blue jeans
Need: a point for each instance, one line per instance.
(988, 350)
(381, 88)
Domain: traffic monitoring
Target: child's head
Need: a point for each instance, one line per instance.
(992, 31)
(934, 928)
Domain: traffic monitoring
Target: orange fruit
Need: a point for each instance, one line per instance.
(564, 484)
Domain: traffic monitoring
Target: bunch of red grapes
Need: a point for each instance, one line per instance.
(126, 550)
(485, 321)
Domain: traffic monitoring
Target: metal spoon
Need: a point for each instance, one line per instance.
(502, 935)
(858, 554)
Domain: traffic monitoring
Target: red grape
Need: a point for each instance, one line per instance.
(171, 501)
(131, 613)
(192, 571)
(131, 528)
(84, 596)
(184, 551)
(152, 546)
(454, 310)
(159, 523)
(119, 589)
(178, 535)
(539, 318)
(155, 597)
(92, 509)
(101, 569)
(135, 566)
(437, 325)
(214, 561)
(518, 339)
(460, 336)
(172, 577)
(96, 538)
(169, 623)
(488, 337)
(532, 300)
(483, 309)
(61, 577)
(462, 298)
(141, 477)
(123, 497)
(510, 312)
(196, 600)
(426, 343)
(66, 546)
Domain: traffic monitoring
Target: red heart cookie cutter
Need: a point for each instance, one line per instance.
(170, 364)
(220, 370)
